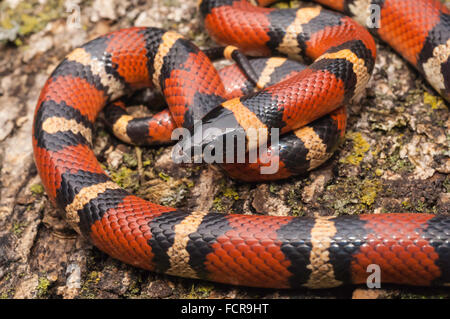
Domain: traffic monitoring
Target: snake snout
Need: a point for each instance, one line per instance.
(217, 138)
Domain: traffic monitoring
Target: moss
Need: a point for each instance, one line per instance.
(231, 193)
(351, 195)
(420, 206)
(399, 165)
(369, 191)
(130, 160)
(406, 204)
(293, 201)
(225, 195)
(125, 177)
(30, 23)
(164, 176)
(218, 204)
(42, 287)
(200, 291)
(17, 228)
(282, 5)
(146, 163)
(37, 189)
(31, 16)
(360, 148)
(93, 278)
(134, 289)
(435, 102)
(379, 172)
(190, 184)
(273, 188)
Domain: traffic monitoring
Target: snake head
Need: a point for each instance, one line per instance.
(217, 138)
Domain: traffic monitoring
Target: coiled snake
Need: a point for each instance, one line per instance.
(308, 107)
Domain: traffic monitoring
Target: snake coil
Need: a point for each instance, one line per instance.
(262, 251)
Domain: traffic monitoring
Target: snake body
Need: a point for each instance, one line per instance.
(261, 251)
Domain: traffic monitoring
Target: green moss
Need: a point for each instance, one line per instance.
(130, 160)
(218, 204)
(17, 228)
(200, 291)
(42, 287)
(293, 201)
(134, 289)
(406, 204)
(273, 188)
(369, 191)
(435, 102)
(282, 5)
(420, 206)
(351, 195)
(226, 194)
(379, 172)
(31, 16)
(93, 278)
(190, 184)
(164, 176)
(30, 23)
(399, 165)
(360, 148)
(125, 177)
(231, 193)
(146, 163)
(37, 189)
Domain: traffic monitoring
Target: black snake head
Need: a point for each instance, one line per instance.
(217, 138)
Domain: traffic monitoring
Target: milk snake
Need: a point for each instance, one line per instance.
(261, 251)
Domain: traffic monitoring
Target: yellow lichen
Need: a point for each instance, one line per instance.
(42, 287)
(369, 191)
(164, 176)
(30, 16)
(379, 172)
(360, 148)
(230, 193)
(435, 102)
(37, 189)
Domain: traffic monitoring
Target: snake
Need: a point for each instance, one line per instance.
(305, 104)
